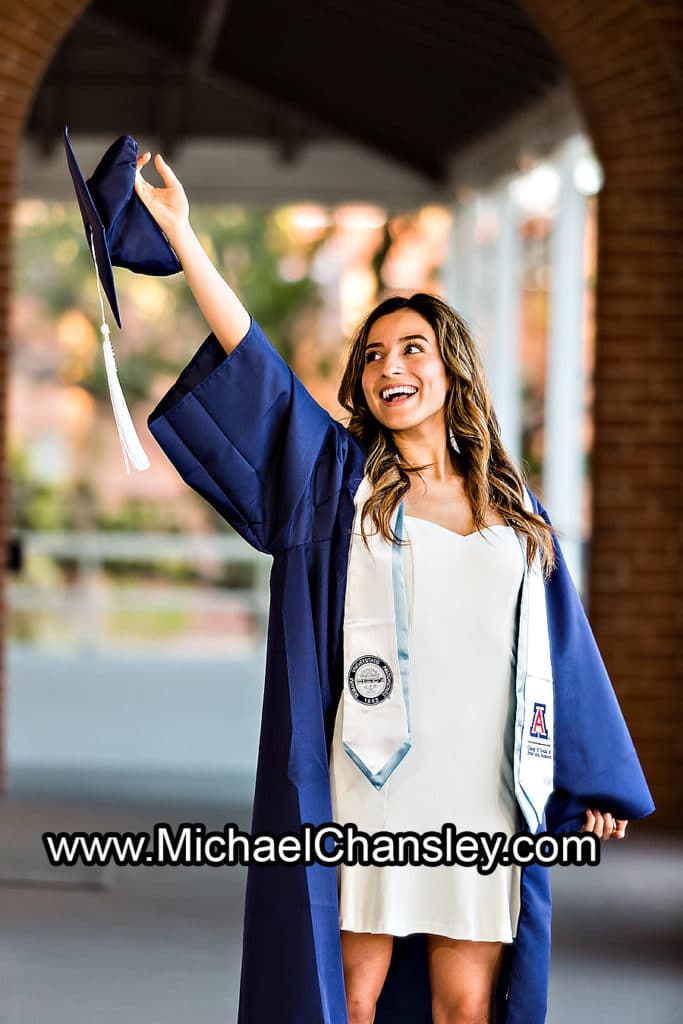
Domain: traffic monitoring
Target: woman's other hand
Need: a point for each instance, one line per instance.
(605, 826)
(168, 205)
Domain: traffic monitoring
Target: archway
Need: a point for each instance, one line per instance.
(633, 107)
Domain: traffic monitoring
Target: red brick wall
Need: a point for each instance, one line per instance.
(625, 62)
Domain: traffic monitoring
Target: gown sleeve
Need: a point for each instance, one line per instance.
(243, 431)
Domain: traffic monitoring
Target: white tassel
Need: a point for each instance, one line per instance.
(130, 442)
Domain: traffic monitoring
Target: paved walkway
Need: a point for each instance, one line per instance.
(162, 945)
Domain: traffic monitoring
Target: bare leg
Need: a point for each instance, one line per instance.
(366, 960)
(463, 978)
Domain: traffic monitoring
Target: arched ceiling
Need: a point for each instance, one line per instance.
(413, 83)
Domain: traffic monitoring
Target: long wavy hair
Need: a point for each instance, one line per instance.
(491, 479)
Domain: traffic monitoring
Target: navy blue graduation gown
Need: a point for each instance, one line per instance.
(242, 430)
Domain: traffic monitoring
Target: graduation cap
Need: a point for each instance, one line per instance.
(121, 232)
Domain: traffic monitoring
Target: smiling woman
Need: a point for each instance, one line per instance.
(428, 659)
(416, 390)
(414, 385)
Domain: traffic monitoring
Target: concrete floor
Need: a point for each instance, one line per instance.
(162, 945)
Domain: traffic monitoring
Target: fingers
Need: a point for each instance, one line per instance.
(604, 826)
(595, 823)
(167, 175)
(143, 188)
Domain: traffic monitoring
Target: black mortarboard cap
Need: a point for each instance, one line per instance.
(121, 232)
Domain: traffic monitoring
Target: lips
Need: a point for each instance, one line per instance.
(398, 394)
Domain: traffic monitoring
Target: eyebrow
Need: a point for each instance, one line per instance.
(406, 337)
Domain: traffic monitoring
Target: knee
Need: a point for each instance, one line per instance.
(478, 1014)
(469, 1010)
(361, 1010)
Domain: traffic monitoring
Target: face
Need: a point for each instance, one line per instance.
(402, 352)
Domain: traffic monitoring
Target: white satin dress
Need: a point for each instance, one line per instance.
(462, 599)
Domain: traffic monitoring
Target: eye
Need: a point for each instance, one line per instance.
(375, 352)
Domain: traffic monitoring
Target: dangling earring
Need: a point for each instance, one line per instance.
(453, 442)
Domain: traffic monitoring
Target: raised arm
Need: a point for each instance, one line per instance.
(223, 311)
(238, 425)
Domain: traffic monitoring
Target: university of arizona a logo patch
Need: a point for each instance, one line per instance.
(538, 728)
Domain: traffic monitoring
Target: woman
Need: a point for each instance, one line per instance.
(420, 470)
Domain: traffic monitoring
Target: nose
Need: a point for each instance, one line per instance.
(392, 366)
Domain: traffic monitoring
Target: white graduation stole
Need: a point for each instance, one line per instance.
(376, 711)
(534, 720)
(376, 703)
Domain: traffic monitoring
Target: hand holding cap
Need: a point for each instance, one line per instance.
(120, 232)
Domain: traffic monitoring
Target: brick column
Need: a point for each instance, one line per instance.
(627, 72)
(30, 32)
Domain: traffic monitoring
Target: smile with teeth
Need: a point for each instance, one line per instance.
(398, 394)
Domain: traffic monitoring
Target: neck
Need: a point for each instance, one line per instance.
(417, 447)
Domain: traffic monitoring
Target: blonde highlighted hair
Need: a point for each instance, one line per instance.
(491, 479)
